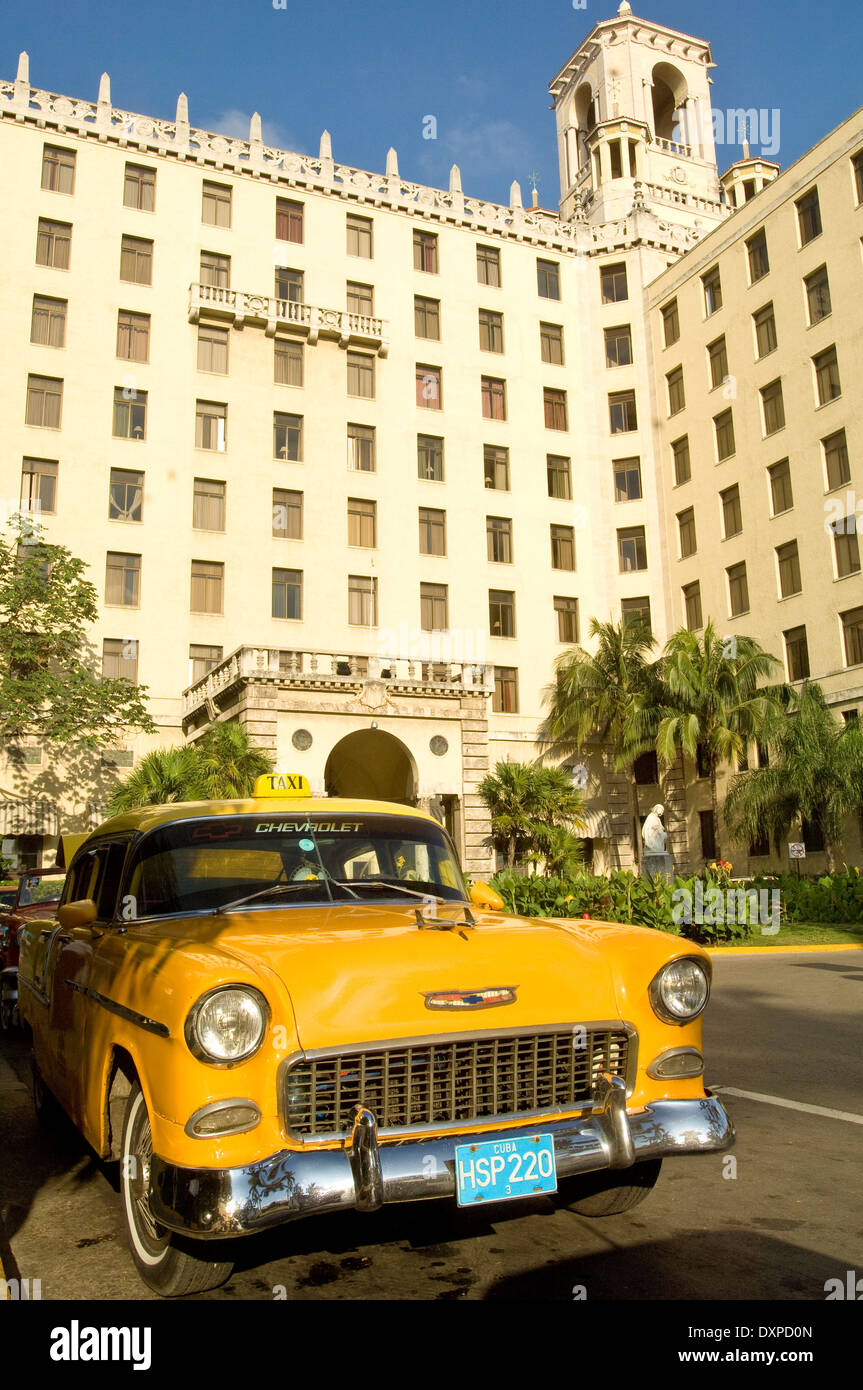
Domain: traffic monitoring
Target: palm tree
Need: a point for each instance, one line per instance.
(165, 775)
(713, 700)
(528, 804)
(608, 694)
(229, 762)
(815, 775)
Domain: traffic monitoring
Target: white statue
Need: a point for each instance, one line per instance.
(653, 832)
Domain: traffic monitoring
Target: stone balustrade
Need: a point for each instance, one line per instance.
(241, 307)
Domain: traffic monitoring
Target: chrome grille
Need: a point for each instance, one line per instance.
(452, 1080)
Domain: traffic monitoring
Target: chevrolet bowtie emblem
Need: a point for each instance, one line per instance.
(471, 998)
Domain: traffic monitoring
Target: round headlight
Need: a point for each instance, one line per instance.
(680, 990)
(228, 1024)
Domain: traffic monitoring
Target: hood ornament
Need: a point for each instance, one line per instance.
(488, 998)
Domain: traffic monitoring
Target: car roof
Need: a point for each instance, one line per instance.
(144, 818)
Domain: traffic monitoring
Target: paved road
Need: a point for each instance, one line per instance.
(775, 1224)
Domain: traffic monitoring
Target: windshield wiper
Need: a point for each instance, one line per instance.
(277, 888)
(424, 923)
(389, 887)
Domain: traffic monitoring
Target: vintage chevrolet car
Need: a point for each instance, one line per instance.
(281, 1006)
(37, 893)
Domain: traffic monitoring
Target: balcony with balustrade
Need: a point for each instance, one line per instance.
(312, 322)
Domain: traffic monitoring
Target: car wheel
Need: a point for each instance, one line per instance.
(165, 1262)
(608, 1193)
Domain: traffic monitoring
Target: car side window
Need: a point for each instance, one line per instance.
(111, 860)
(81, 878)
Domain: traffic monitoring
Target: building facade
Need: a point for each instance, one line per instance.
(353, 460)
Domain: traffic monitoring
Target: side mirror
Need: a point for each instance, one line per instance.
(77, 914)
(483, 896)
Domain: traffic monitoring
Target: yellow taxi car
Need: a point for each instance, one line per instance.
(279, 1006)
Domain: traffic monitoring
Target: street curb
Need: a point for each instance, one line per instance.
(773, 950)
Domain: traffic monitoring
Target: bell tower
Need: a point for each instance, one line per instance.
(633, 106)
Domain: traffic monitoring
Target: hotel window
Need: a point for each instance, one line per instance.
(501, 613)
(123, 579)
(723, 425)
(627, 479)
(796, 653)
(612, 283)
(120, 659)
(287, 514)
(712, 291)
(361, 375)
(287, 362)
(559, 473)
(208, 583)
(287, 594)
(554, 407)
(827, 383)
(686, 532)
(505, 698)
(498, 533)
(361, 448)
(551, 343)
(139, 188)
(289, 220)
(846, 546)
(211, 425)
(493, 398)
(635, 612)
(428, 387)
(287, 436)
(359, 236)
(136, 260)
(765, 330)
(430, 458)
(717, 355)
(432, 531)
(732, 514)
(426, 317)
(426, 252)
(202, 660)
(208, 505)
(562, 548)
(212, 349)
(54, 243)
(48, 322)
(738, 590)
(58, 169)
(818, 294)
(670, 323)
(676, 393)
(433, 608)
(707, 828)
(646, 770)
(809, 217)
(788, 563)
(548, 279)
(773, 407)
(622, 415)
(852, 633)
(215, 270)
(362, 600)
(618, 346)
(857, 170)
(681, 459)
(631, 549)
(44, 401)
(359, 298)
(692, 605)
(495, 463)
(289, 284)
(488, 266)
(836, 460)
(133, 336)
(126, 495)
(490, 330)
(566, 610)
(759, 261)
(781, 496)
(362, 523)
(216, 204)
(39, 485)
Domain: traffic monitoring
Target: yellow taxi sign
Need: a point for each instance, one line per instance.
(282, 784)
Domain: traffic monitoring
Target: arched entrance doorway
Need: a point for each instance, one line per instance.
(373, 765)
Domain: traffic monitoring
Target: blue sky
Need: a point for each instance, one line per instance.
(370, 72)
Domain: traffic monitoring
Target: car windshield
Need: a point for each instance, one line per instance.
(289, 860)
(40, 888)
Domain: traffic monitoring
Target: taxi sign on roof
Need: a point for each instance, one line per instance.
(282, 784)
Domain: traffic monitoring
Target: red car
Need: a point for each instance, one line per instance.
(37, 894)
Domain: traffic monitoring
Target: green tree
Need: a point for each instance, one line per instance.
(49, 686)
(229, 762)
(815, 775)
(163, 776)
(528, 804)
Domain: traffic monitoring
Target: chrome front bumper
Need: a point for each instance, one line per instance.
(216, 1203)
